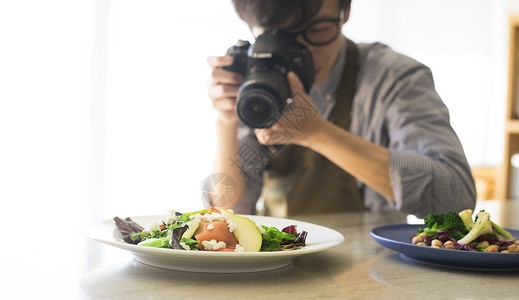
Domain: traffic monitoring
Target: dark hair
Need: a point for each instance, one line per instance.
(270, 13)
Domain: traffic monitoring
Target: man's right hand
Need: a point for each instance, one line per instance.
(223, 88)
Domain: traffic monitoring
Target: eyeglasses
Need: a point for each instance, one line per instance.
(321, 32)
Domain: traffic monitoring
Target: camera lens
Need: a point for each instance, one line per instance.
(258, 108)
(262, 97)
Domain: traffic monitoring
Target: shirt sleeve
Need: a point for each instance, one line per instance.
(396, 106)
(427, 165)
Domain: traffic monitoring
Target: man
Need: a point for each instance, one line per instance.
(379, 136)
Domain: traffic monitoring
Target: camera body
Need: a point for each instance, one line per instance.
(265, 65)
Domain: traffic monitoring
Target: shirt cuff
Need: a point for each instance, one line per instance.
(410, 176)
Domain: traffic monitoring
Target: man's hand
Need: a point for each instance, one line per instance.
(297, 123)
(223, 88)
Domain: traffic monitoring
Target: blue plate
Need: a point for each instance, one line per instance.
(398, 238)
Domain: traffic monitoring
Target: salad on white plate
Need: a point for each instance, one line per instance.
(213, 229)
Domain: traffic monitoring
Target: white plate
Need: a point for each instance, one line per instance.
(319, 239)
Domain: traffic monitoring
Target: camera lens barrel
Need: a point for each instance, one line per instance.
(258, 110)
(262, 97)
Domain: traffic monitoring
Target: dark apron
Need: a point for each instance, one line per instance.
(298, 180)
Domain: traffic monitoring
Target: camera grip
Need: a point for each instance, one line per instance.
(239, 54)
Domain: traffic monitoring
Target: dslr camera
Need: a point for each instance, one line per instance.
(264, 65)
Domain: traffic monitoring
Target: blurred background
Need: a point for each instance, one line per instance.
(104, 108)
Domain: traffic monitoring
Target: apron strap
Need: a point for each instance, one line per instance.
(346, 90)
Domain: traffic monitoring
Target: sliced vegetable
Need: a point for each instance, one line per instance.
(272, 238)
(176, 235)
(127, 228)
(192, 227)
(158, 243)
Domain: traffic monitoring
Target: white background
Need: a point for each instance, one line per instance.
(103, 106)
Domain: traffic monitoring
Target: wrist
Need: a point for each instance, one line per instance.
(226, 124)
(226, 132)
(314, 133)
(229, 118)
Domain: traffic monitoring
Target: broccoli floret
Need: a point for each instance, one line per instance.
(466, 216)
(446, 221)
(456, 235)
(431, 219)
(453, 221)
(483, 225)
(508, 236)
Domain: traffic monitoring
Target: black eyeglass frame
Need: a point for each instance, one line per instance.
(302, 32)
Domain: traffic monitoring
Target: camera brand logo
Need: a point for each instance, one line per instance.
(220, 188)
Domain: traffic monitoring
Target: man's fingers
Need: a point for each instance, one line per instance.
(223, 91)
(273, 135)
(223, 76)
(295, 84)
(219, 61)
(225, 104)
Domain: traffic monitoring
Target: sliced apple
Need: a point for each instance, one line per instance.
(192, 226)
(246, 232)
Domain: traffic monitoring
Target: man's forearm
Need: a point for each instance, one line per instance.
(362, 159)
(227, 163)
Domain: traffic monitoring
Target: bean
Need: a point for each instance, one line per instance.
(491, 248)
(514, 248)
(419, 238)
(450, 245)
(436, 242)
